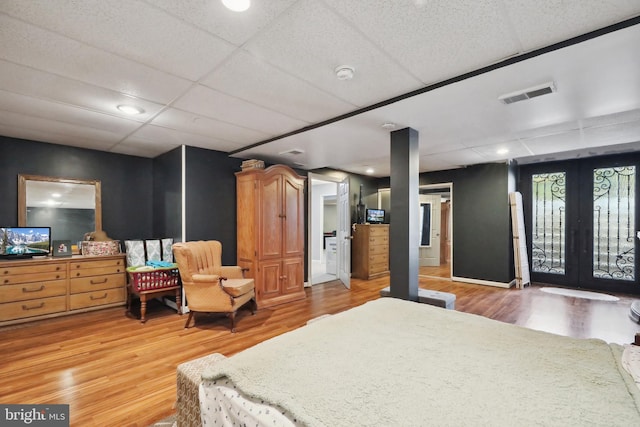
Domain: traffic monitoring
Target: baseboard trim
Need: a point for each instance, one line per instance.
(483, 282)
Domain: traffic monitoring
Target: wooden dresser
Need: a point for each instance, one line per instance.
(370, 251)
(35, 289)
(270, 224)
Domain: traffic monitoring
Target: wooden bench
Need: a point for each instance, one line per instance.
(427, 296)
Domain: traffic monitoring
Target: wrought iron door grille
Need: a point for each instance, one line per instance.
(548, 223)
(614, 223)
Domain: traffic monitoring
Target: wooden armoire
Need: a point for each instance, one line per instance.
(270, 224)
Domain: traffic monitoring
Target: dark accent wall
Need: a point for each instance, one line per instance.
(211, 199)
(482, 239)
(167, 195)
(125, 181)
(482, 246)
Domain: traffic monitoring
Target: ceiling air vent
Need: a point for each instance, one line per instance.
(292, 152)
(532, 92)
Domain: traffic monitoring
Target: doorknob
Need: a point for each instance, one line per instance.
(351, 237)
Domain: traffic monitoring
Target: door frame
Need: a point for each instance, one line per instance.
(448, 186)
(310, 217)
(579, 197)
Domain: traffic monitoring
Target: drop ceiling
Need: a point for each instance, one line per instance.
(262, 83)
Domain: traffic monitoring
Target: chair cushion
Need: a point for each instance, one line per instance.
(237, 287)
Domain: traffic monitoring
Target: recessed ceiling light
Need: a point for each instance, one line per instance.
(502, 151)
(237, 5)
(369, 171)
(130, 109)
(388, 126)
(344, 72)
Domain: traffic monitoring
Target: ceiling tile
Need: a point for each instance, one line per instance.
(172, 138)
(211, 103)
(39, 84)
(310, 41)
(65, 114)
(158, 40)
(27, 45)
(247, 77)
(192, 123)
(212, 16)
(544, 22)
(434, 40)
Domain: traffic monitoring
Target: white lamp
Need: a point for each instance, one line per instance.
(237, 5)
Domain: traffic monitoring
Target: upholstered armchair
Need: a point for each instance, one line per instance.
(208, 285)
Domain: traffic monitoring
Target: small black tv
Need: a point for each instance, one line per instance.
(24, 242)
(375, 216)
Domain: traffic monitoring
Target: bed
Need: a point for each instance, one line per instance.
(393, 362)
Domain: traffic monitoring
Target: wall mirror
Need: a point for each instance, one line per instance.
(71, 207)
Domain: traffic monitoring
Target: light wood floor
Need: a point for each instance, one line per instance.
(114, 371)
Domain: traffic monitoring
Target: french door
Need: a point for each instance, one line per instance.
(581, 219)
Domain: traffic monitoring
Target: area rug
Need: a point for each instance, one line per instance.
(580, 294)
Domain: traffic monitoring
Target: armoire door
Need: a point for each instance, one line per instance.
(293, 217)
(581, 220)
(271, 217)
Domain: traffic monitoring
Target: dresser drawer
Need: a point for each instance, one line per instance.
(95, 283)
(378, 240)
(379, 249)
(96, 271)
(378, 231)
(32, 276)
(379, 258)
(96, 298)
(378, 267)
(37, 307)
(31, 268)
(29, 291)
(96, 268)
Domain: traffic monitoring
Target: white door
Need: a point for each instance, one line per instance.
(343, 234)
(430, 245)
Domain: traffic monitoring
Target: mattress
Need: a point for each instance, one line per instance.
(393, 362)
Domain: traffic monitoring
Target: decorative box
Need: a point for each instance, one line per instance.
(109, 247)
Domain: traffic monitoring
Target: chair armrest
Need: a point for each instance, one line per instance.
(231, 272)
(205, 278)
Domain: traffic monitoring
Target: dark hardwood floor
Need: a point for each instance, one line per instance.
(114, 371)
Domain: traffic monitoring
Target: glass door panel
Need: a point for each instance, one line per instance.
(548, 223)
(614, 223)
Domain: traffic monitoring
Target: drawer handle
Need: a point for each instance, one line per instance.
(93, 282)
(96, 298)
(58, 268)
(25, 290)
(6, 272)
(6, 281)
(24, 307)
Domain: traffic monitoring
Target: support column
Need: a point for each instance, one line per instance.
(405, 222)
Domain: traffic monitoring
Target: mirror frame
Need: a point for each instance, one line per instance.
(22, 195)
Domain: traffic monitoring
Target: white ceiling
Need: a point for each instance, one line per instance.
(212, 78)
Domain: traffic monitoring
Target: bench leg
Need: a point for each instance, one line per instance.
(143, 308)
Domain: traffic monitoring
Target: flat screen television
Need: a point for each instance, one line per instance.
(24, 242)
(375, 216)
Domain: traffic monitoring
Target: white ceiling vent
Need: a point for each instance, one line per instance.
(532, 92)
(292, 152)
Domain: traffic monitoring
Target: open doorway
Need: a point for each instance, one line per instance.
(436, 230)
(323, 225)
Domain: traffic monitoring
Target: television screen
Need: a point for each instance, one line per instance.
(375, 216)
(24, 241)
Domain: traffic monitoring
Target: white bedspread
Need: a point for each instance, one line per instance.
(397, 363)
